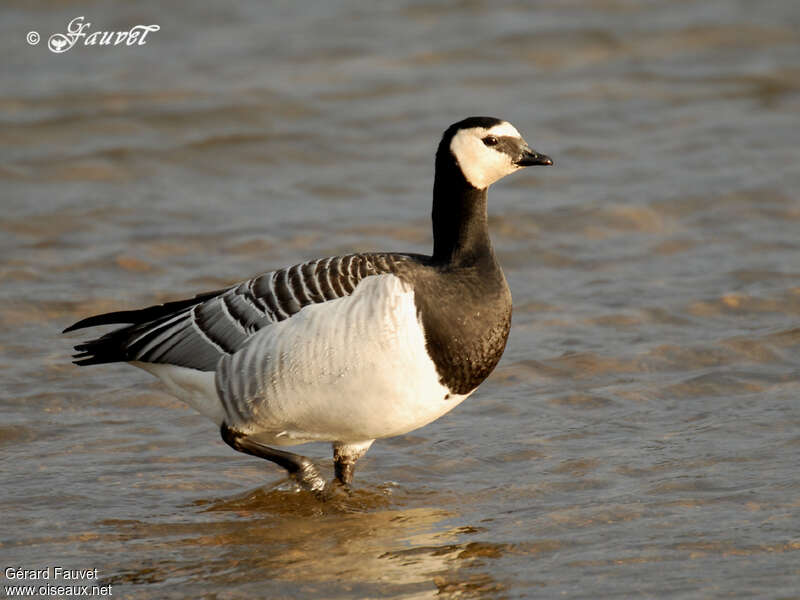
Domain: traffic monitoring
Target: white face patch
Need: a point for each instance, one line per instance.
(482, 165)
(504, 128)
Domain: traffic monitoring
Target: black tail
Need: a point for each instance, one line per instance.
(115, 345)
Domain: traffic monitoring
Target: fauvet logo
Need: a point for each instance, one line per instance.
(78, 29)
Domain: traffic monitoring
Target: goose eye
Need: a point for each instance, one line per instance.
(490, 140)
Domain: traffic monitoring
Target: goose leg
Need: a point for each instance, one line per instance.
(345, 457)
(299, 467)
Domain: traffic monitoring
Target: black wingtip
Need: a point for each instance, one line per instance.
(112, 318)
(93, 360)
(129, 317)
(114, 346)
(100, 351)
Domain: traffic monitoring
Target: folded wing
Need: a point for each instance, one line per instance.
(197, 332)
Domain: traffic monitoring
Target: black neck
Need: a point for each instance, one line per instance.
(460, 222)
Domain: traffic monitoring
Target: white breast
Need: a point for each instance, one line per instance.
(351, 369)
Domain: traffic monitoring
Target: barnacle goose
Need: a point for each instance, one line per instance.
(345, 349)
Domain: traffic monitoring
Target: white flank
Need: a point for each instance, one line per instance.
(482, 165)
(194, 387)
(348, 370)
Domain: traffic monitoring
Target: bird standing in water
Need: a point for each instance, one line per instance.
(346, 349)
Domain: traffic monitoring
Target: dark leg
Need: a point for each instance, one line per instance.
(299, 467)
(345, 457)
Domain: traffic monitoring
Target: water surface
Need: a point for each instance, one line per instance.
(638, 439)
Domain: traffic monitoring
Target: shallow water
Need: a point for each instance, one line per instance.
(638, 439)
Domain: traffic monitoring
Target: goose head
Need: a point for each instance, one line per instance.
(486, 149)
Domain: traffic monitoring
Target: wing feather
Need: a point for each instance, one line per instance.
(196, 333)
